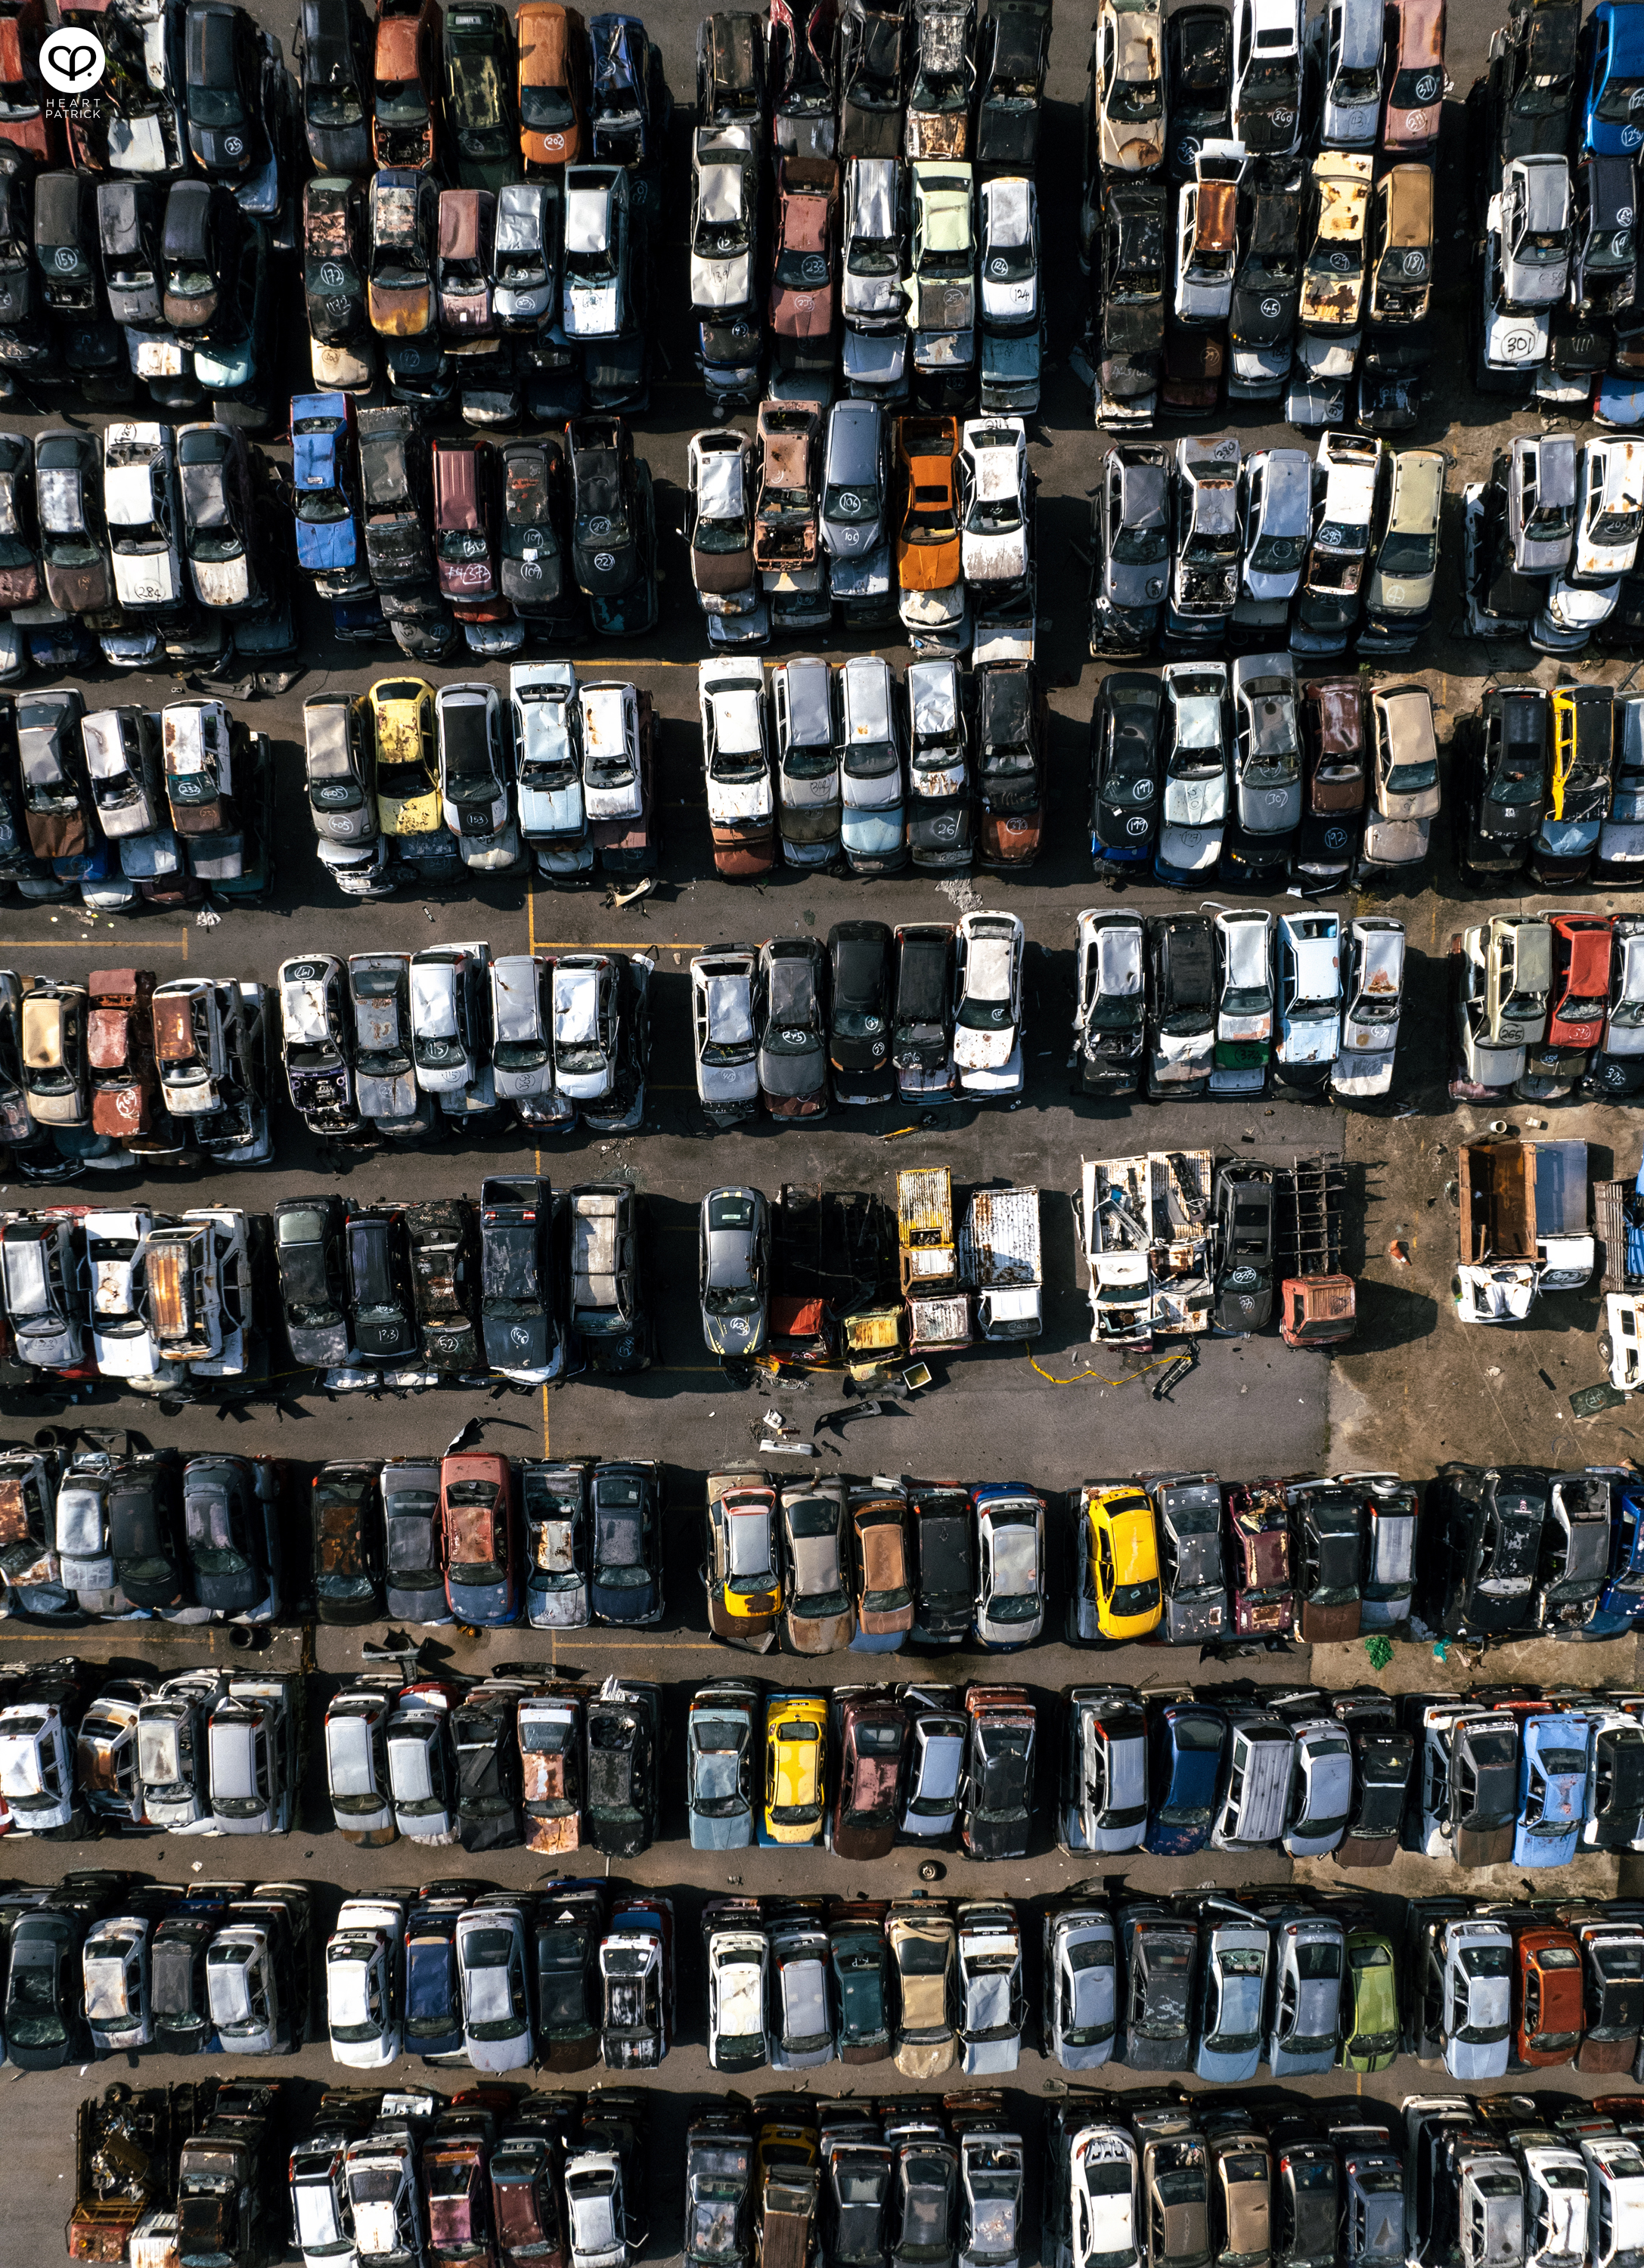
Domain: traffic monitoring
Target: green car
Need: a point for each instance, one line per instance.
(1369, 2003)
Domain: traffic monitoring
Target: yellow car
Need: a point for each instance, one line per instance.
(796, 1767)
(1124, 1547)
(408, 770)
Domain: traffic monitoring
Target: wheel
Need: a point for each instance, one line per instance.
(1606, 1349)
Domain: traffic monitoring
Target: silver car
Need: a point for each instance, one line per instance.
(1268, 775)
(1477, 1958)
(1541, 501)
(801, 2034)
(724, 222)
(991, 1999)
(809, 803)
(443, 1036)
(875, 246)
(1304, 2024)
(386, 1084)
(524, 278)
(1134, 536)
(491, 1974)
(856, 479)
(1536, 212)
(522, 1054)
(735, 1260)
(1080, 2014)
(724, 1017)
(548, 757)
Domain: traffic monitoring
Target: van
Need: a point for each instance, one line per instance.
(1255, 1786)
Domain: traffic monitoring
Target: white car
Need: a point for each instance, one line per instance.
(804, 694)
(1573, 612)
(548, 764)
(586, 1012)
(720, 483)
(364, 2009)
(1375, 994)
(1532, 213)
(1309, 996)
(1009, 260)
(1511, 340)
(613, 767)
(123, 1343)
(356, 1749)
(495, 1998)
(735, 745)
(738, 1960)
(991, 2001)
(1102, 2182)
(421, 1773)
(141, 506)
(987, 1006)
(114, 1968)
(1609, 509)
(1206, 233)
(724, 221)
(993, 502)
(594, 302)
(595, 2209)
(1244, 1002)
(724, 1031)
(444, 1041)
(1194, 815)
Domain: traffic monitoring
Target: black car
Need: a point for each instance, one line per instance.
(332, 50)
(128, 236)
(1505, 779)
(1465, 1779)
(1383, 1759)
(730, 71)
(1326, 1559)
(624, 1753)
(859, 1029)
(444, 1275)
(1127, 285)
(223, 70)
(719, 2162)
(944, 1560)
(521, 1332)
(1480, 1546)
(410, 1516)
(1160, 1951)
(924, 2181)
(180, 2004)
(1245, 1201)
(1199, 74)
(395, 499)
(45, 2023)
(921, 1034)
(537, 576)
(568, 1926)
(145, 1530)
(347, 1510)
(627, 1524)
(230, 1533)
(1011, 55)
(74, 534)
(380, 1283)
(1124, 765)
(1180, 1005)
(794, 1043)
(66, 249)
(488, 1779)
(1267, 282)
(333, 270)
(309, 1267)
(200, 244)
(997, 1786)
(480, 73)
(1010, 764)
(605, 548)
(1306, 2178)
(18, 298)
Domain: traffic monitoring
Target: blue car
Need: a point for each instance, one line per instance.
(631, 102)
(434, 2007)
(1552, 1791)
(330, 543)
(1184, 1744)
(1621, 1601)
(1612, 107)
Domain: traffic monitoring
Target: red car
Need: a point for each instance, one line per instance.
(467, 519)
(456, 2162)
(1547, 1994)
(25, 122)
(479, 1537)
(1258, 1540)
(874, 1730)
(1581, 980)
(120, 1049)
(802, 284)
(525, 2201)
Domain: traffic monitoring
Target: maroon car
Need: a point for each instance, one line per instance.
(525, 2201)
(1258, 1539)
(874, 1731)
(802, 283)
(1332, 734)
(466, 524)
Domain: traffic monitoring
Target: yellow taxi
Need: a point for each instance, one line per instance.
(796, 1767)
(408, 769)
(1124, 1547)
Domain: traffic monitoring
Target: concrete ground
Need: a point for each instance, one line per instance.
(1413, 1390)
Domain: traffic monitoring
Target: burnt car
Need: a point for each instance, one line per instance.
(1481, 1540)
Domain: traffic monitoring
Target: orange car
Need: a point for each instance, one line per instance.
(406, 92)
(24, 119)
(927, 541)
(554, 78)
